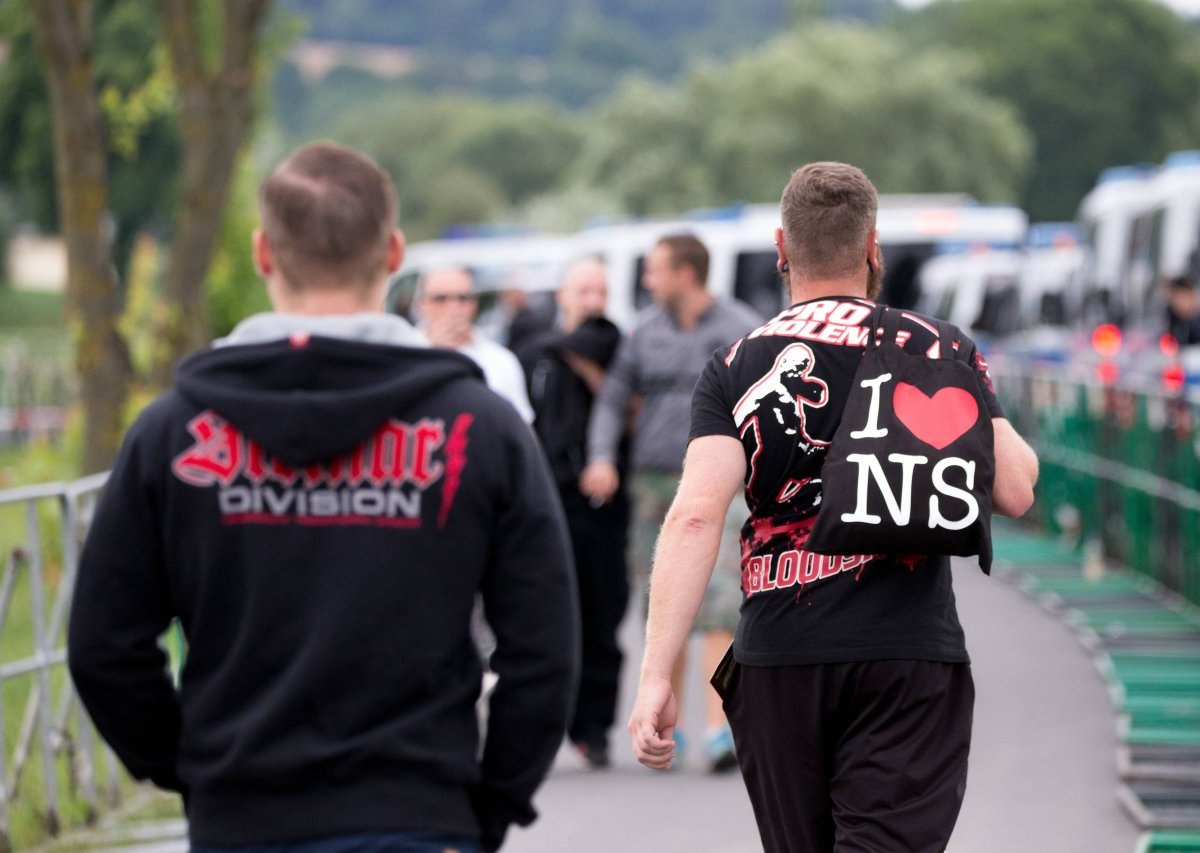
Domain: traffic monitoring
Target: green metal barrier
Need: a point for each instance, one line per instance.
(1160, 710)
(1170, 841)
(1120, 469)
(1086, 589)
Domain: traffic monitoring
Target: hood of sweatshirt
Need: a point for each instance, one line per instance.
(373, 327)
(596, 338)
(309, 399)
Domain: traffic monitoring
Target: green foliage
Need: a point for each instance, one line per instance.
(21, 309)
(8, 225)
(645, 147)
(138, 103)
(523, 147)
(914, 122)
(1094, 83)
(1097, 83)
(865, 11)
(463, 159)
(26, 154)
(514, 28)
(132, 111)
(234, 288)
(39, 462)
(459, 194)
(595, 50)
(570, 52)
(308, 110)
(569, 207)
(727, 130)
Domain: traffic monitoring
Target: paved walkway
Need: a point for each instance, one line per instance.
(1042, 776)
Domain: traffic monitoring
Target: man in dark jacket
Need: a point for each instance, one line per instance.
(1183, 311)
(565, 366)
(318, 501)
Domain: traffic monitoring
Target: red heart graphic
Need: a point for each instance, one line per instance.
(938, 420)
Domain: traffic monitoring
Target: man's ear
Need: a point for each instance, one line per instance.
(781, 258)
(264, 261)
(873, 250)
(396, 246)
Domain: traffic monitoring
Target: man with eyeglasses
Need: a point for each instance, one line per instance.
(446, 305)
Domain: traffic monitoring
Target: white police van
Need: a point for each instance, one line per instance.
(741, 244)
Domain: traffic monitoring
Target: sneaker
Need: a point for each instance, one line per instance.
(595, 754)
(680, 749)
(719, 753)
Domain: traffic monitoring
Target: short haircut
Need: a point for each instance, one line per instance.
(687, 251)
(327, 212)
(586, 262)
(827, 211)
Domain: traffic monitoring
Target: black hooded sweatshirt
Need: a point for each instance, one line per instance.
(320, 514)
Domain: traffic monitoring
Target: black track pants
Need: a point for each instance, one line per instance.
(598, 539)
(866, 757)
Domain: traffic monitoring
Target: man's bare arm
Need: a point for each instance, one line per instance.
(1016, 471)
(591, 372)
(600, 479)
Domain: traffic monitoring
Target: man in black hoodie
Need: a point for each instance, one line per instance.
(318, 501)
(565, 367)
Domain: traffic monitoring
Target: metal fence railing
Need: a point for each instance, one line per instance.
(1120, 468)
(49, 754)
(1120, 473)
(36, 388)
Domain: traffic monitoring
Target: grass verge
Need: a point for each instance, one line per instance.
(28, 309)
(28, 819)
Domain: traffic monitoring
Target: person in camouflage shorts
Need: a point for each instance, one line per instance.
(659, 364)
(653, 492)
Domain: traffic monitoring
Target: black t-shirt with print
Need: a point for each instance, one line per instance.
(781, 391)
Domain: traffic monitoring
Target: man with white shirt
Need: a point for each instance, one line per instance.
(446, 307)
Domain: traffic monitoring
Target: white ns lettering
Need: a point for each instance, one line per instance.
(936, 519)
(872, 430)
(900, 508)
(868, 465)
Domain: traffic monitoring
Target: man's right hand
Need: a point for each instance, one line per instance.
(652, 723)
(599, 481)
(447, 332)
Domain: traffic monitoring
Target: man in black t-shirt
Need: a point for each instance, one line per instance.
(849, 687)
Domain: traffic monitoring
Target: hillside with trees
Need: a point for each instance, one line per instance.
(569, 51)
(548, 116)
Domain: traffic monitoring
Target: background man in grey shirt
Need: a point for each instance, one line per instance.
(672, 341)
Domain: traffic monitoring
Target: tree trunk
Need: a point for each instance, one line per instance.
(216, 109)
(93, 305)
